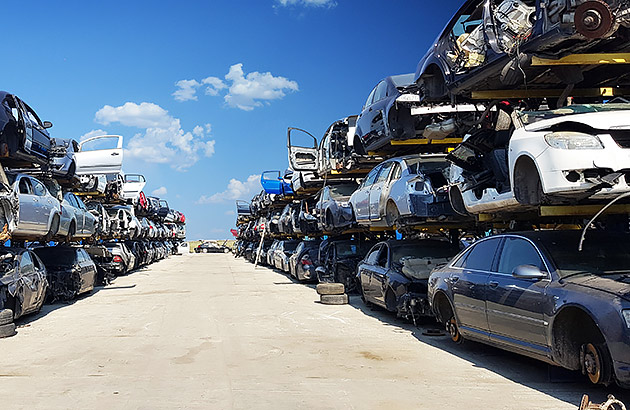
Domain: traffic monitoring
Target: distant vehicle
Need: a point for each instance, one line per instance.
(283, 252)
(133, 186)
(209, 247)
(303, 262)
(62, 162)
(24, 139)
(394, 274)
(273, 182)
(338, 260)
(535, 294)
(490, 44)
(566, 156)
(404, 190)
(69, 269)
(20, 266)
(122, 259)
(271, 252)
(39, 211)
(76, 219)
(333, 208)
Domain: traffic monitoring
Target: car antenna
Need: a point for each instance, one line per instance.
(601, 211)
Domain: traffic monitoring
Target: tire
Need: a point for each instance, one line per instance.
(330, 289)
(453, 330)
(54, 228)
(205, 251)
(596, 363)
(391, 214)
(7, 330)
(6, 316)
(527, 185)
(329, 221)
(334, 299)
(71, 231)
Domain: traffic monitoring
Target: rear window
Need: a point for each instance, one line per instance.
(56, 256)
(426, 165)
(342, 190)
(290, 246)
(432, 249)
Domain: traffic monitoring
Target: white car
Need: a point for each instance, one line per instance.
(562, 156)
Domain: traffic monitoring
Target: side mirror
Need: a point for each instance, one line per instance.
(528, 272)
(47, 124)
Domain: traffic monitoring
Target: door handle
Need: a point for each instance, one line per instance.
(115, 153)
(493, 284)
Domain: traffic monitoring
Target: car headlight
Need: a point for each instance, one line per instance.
(573, 140)
(626, 317)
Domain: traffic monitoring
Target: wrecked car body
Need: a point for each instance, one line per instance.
(39, 211)
(395, 274)
(76, 219)
(70, 271)
(576, 154)
(276, 183)
(338, 260)
(23, 282)
(333, 208)
(490, 45)
(303, 261)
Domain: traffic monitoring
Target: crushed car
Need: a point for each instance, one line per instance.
(69, 269)
(23, 282)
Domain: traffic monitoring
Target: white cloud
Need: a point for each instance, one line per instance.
(160, 191)
(312, 3)
(230, 213)
(93, 133)
(186, 90)
(235, 190)
(244, 91)
(163, 140)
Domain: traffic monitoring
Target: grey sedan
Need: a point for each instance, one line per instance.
(40, 212)
(76, 219)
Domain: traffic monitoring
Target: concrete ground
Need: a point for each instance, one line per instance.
(209, 331)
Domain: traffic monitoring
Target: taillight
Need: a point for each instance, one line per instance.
(117, 259)
(306, 260)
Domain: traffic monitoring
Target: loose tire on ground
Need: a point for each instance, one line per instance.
(7, 330)
(330, 289)
(334, 299)
(6, 316)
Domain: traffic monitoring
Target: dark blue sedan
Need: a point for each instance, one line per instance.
(535, 294)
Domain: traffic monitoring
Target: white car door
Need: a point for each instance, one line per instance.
(134, 184)
(100, 155)
(360, 199)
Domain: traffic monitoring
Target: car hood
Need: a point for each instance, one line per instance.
(618, 285)
(611, 119)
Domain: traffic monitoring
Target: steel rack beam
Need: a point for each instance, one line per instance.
(583, 59)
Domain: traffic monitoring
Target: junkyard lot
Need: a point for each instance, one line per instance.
(210, 331)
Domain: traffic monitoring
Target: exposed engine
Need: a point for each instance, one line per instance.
(514, 21)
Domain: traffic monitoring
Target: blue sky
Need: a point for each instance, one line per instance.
(250, 69)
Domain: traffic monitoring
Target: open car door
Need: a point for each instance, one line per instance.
(273, 183)
(134, 184)
(302, 158)
(99, 155)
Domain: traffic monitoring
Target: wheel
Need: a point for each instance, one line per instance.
(391, 214)
(6, 316)
(54, 227)
(453, 330)
(71, 231)
(329, 221)
(330, 289)
(7, 330)
(205, 251)
(527, 185)
(334, 299)
(596, 363)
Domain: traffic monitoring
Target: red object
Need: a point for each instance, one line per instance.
(234, 232)
(117, 259)
(306, 261)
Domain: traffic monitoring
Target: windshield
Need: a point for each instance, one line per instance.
(426, 165)
(290, 246)
(347, 249)
(603, 253)
(340, 191)
(426, 249)
(530, 117)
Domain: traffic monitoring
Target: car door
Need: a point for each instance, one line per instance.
(28, 204)
(378, 279)
(39, 279)
(79, 214)
(271, 182)
(376, 112)
(376, 191)
(29, 281)
(365, 272)
(365, 118)
(134, 184)
(515, 305)
(467, 284)
(360, 199)
(303, 150)
(100, 155)
(45, 205)
(38, 140)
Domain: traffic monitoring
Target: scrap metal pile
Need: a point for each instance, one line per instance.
(71, 217)
(517, 118)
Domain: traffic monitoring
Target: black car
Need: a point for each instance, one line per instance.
(338, 260)
(24, 139)
(496, 45)
(333, 209)
(209, 247)
(23, 282)
(394, 274)
(70, 271)
(535, 294)
(303, 262)
(382, 119)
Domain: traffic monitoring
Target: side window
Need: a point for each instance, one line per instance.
(381, 91)
(481, 255)
(382, 176)
(80, 203)
(36, 262)
(32, 117)
(382, 257)
(516, 252)
(370, 98)
(25, 186)
(26, 264)
(369, 180)
(396, 172)
(372, 258)
(38, 188)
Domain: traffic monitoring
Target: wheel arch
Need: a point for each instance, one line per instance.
(441, 305)
(525, 159)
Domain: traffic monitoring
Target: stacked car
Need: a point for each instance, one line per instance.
(450, 194)
(71, 215)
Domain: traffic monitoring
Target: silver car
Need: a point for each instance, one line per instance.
(404, 190)
(76, 219)
(40, 212)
